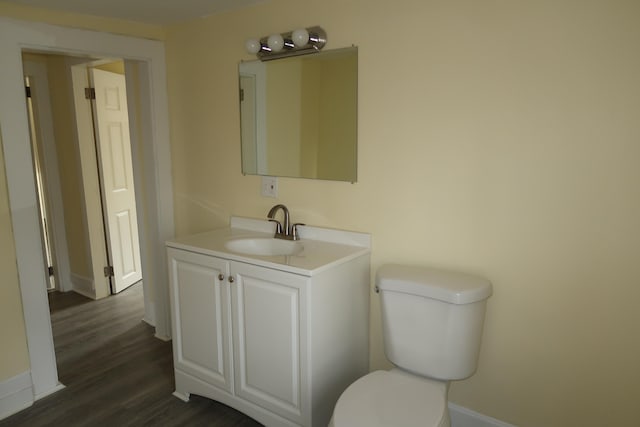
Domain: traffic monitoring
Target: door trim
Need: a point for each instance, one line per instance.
(89, 188)
(52, 182)
(16, 35)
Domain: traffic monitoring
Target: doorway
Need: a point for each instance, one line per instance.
(99, 223)
(57, 167)
(147, 58)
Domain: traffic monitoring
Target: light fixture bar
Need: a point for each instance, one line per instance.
(298, 42)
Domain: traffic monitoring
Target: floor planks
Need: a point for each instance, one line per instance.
(115, 372)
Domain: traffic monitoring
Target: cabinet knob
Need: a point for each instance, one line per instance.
(231, 279)
(220, 276)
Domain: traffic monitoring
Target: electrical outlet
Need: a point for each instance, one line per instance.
(270, 186)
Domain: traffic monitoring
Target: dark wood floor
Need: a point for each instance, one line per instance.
(115, 372)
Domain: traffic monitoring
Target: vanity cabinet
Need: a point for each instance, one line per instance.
(277, 345)
(201, 317)
(269, 323)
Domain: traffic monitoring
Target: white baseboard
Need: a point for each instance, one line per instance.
(149, 312)
(463, 417)
(83, 286)
(55, 389)
(162, 337)
(64, 285)
(16, 394)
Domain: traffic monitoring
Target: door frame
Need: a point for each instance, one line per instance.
(37, 68)
(42, 104)
(149, 56)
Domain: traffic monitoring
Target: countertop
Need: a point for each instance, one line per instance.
(322, 248)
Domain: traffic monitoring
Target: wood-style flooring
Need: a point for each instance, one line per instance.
(115, 372)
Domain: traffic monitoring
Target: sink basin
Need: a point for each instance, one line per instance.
(264, 246)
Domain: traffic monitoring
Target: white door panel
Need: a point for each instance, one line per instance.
(114, 150)
(200, 298)
(267, 343)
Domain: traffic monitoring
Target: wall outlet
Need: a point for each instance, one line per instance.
(270, 186)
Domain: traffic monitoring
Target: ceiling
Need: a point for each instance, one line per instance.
(158, 12)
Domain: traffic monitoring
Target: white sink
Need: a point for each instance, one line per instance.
(264, 246)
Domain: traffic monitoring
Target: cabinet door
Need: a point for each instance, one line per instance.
(269, 328)
(200, 310)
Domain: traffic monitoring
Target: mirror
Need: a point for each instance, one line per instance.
(298, 116)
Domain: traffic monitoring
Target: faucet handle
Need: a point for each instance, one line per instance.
(294, 231)
(278, 226)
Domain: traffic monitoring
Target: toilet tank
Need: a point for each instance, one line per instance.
(432, 319)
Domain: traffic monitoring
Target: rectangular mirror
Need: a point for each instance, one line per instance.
(299, 115)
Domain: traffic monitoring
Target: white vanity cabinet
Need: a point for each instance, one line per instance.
(201, 317)
(278, 345)
(269, 318)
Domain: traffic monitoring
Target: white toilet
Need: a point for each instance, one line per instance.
(432, 326)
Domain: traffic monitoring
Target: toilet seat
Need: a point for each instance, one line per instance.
(392, 398)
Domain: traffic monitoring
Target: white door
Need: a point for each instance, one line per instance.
(119, 200)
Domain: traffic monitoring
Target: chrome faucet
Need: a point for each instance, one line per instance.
(284, 230)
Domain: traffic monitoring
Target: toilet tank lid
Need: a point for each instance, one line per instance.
(448, 286)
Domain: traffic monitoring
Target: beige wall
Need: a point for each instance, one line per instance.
(14, 357)
(75, 20)
(497, 137)
(113, 67)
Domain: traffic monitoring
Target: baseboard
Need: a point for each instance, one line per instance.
(16, 394)
(46, 393)
(64, 285)
(149, 312)
(463, 417)
(181, 396)
(162, 337)
(83, 286)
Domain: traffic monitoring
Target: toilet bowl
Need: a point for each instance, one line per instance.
(432, 326)
(392, 398)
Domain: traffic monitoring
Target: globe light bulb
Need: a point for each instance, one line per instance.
(252, 46)
(275, 42)
(300, 37)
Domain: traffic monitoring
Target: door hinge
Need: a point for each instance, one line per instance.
(89, 93)
(27, 90)
(50, 271)
(241, 95)
(108, 271)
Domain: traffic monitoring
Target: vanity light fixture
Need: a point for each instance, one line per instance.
(298, 42)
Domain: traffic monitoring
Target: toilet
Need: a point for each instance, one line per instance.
(432, 327)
